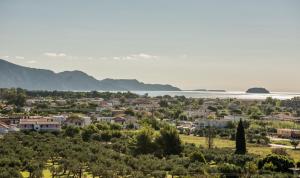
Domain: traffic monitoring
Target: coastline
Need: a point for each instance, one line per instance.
(222, 95)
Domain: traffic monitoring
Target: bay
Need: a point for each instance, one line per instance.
(222, 95)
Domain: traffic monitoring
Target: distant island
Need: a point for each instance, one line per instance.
(15, 76)
(198, 90)
(257, 90)
(208, 90)
(217, 90)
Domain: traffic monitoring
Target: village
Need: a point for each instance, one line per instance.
(64, 132)
(188, 115)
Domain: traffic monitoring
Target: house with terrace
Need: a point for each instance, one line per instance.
(39, 124)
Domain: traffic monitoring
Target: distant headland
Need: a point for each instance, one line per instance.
(12, 75)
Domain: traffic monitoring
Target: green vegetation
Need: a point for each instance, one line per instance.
(13, 96)
(201, 141)
(61, 155)
(278, 163)
(295, 143)
(255, 149)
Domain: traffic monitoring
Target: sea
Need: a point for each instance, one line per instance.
(221, 94)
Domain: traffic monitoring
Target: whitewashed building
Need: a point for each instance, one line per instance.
(78, 121)
(39, 124)
(218, 123)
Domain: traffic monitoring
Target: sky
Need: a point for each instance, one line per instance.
(191, 44)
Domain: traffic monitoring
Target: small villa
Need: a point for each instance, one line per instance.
(105, 119)
(218, 123)
(40, 124)
(78, 121)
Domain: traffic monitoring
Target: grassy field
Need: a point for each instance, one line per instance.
(281, 142)
(224, 143)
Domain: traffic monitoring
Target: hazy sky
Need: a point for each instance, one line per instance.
(192, 44)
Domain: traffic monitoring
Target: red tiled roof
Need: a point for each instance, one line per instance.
(2, 125)
(38, 121)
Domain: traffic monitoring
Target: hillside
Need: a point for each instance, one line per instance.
(12, 75)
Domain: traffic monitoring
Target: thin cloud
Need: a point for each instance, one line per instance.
(50, 54)
(31, 62)
(145, 56)
(139, 56)
(117, 58)
(19, 57)
(5, 57)
(13, 57)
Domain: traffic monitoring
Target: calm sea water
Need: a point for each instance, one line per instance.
(221, 95)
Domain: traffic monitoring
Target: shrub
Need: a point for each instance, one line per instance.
(230, 170)
(71, 131)
(197, 156)
(250, 167)
(280, 163)
(269, 167)
(298, 164)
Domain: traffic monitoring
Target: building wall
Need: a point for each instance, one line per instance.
(3, 130)
(38, 127)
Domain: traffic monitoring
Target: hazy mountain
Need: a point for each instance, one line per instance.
(12, 75)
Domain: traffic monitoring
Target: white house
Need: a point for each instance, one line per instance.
(78, 121)
(185, 126)
(39, 124)
(218, 123)
(196, 113)
(115, 102)
(96, 101)
(105, 119)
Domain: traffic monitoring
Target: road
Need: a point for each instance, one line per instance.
(281, 146)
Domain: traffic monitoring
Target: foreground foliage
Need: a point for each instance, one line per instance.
(68, 154)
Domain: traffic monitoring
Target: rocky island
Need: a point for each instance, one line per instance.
(257, 90)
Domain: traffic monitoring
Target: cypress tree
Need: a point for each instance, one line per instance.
(240, 140)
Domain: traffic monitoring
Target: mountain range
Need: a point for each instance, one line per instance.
(12, 75)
